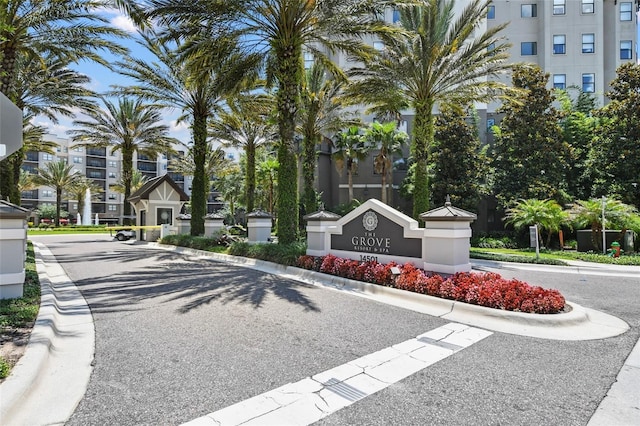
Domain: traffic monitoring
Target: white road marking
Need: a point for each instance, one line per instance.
(318, 396)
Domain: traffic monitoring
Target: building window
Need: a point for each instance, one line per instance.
(113, 164)
(113, 207)
(491, 12)
(77, 160)
(46, 156)
(529, 10)
(491, 48)
(625, 49)
(625, 11)
(378, 45)
(588, 83)
(396, 16)
(75, 207)
(559, 7)
(47, 193)
(308, 60)
(559, 44)
(112, 175)
(588, 43)
(528, 48)
(587, 6)
(559, 81)
(78, 149)
(113, 196)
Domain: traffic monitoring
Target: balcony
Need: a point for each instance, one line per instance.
(97, 152)
(31, 156)
(94, 162)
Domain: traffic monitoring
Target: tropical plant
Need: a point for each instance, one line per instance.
(322, 113)
(589, 213)
(177, 80)
(443, 60)
(230, 191)
(267, 177)
(349, 148)
(137, 180)
(129, 126)
(26, 183)
(546, 214)
(388, 141)
(280, 30)
(36, 34)
(245, 124)
(215, 164)
(59, 176)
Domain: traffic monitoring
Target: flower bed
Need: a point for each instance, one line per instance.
(484, 289)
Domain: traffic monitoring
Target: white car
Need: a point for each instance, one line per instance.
(125, 234)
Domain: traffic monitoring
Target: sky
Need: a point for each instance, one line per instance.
(102, 79)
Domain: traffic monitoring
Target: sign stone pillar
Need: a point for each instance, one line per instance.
(13, 246)
(447, 239)
(259, 227)
(318, 239)
(213, 222)
(183, 224)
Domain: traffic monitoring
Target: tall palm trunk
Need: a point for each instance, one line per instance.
(199, 187)
(8, 69)
(58, 205)
(127, 171)
(250, 177)
(383, 189)
(308, 173)
(423, 134)
(288, 100)
(350, 179)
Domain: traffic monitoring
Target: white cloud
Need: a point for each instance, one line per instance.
(124, 23)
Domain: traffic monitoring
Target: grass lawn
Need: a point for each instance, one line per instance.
(550, 256)
(65, 230)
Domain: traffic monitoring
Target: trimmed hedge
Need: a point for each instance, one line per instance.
(285, 254)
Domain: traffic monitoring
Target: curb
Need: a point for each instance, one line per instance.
(578, 324)
(58, 356)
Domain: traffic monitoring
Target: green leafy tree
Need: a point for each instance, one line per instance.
(349, 148)
(530, 156)
(48, 211)
(35, 34)
(267, 177)
(546, 214)
(129, 126)
(59, 176)
(614, 159)
(279, 30)
(444, 60)
(178, 80)
(588, 213)
(460, 165)
(137, 180)
(246, 124)
(388, 141)
(323, 113)
(230, 191)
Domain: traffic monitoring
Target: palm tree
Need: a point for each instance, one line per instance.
(441, 62)
(279, 30)
(589, 213)
(322, 113)
(59, 176)
(25, 183)
(349, 148)
(230, 191)
(246, 124)
(129, 126)
(79, 190)
(35, 34)
(178, 81)
(137, 180)
(389, 141)
(546, 214)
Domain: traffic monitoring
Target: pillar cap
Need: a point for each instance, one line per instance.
(12, 211)
(259, 214)
(448, 213)
(213, 216)
(322, 215)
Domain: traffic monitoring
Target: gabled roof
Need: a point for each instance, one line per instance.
(146, 189)
(12, 211)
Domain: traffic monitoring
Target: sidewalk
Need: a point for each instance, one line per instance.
(62, 346)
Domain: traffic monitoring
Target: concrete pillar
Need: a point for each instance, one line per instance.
(318, 237)
(183, 224)
(13, 246)
(447, 239)
(213, 223)
(259, 225)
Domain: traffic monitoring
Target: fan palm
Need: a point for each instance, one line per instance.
(279, 30)
(59, 176)
(389, 141)
(349, 148)
(129, 126)
(322, 113)
(442, 61)
(246, 124)
(176, 81)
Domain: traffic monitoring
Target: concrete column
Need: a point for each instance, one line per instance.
(13, 246)
(213, 223)
(259, 227)
(447, 239)
(318, 237)
(183, 224)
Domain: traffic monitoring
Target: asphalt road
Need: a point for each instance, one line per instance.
(177, 338)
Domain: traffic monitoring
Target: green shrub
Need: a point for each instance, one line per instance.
(514, 258)
(24, 310)
(285, 254)
(4, 368)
